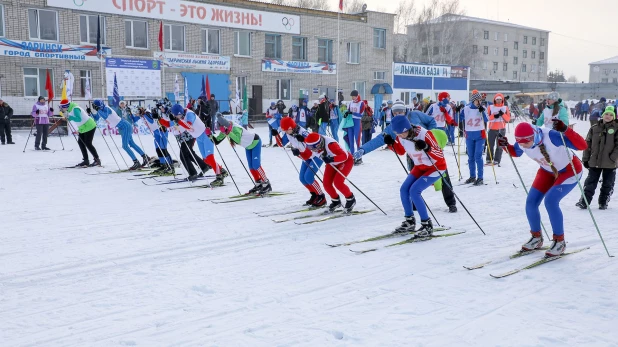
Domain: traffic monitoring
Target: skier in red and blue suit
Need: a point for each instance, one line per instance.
(357, 108)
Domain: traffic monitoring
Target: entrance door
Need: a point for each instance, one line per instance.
(256, 97)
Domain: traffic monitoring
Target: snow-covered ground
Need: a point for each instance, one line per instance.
(100, 260)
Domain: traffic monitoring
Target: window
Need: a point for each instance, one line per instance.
(299, 48)
(379, 75)
(475, 49)
(542, 55)
(88, 29)
(354, 52)
(1, 20)
(272, 48)
(242, 43)
(505, 66)
(485, 50)
(284, 89)
(525, 40)
(523, 67)
(606, 71)
(486, 35)
(425, 51)
(241, 84)
(174, 37)
(604, 80)
(496, 51)
(525, 53)
(475, 33)
(533, 54)
(360, 86)
(43, 25)
(496, 34)
(211, 41)
(379, 38)
(506, 52)
(614, 70)
(515, 45)
(436, 50)
(534, 40)
(514, 75)
(533, 68)
(325, 50)
(437, 35)
(136, 34)
(495, 66)
(614, 80)
(484, 65)
(34, 80)
(542, 42)
(506, 37)
(447, 49)
(83, 76)
(514, 60)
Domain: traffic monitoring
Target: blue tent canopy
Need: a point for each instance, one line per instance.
(381, 88)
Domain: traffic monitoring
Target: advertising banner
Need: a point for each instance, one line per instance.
(193, 61)
(46, 50)
(275, 65)
(422, 70)
(135, 77)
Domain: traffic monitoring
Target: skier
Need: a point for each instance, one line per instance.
(272, 117)
(160, 135)
(86, 127)
(442, 112)
(339, 164)
(600, 159)
(293, 113)
(429, 163)
(554, 179)
(303, 114)
(124, 128)
(295, 135)
(474, 118)
(253, 149)
(188, 120)
(555, 107)
(335, 120)
(323, 114)
(499, 115)
(357, 108)
(450, 129)
(387, 114)
(41, 113)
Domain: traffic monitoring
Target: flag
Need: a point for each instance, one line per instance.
(116, 94)
(63, 95)
(203, 90)
(70, 82)
(161, 37)
(99, 35)
(340, 5)
(88, 88)
(176, 89)
(187, 98)
(238, 105)
(49, 87)
(244, 98)
(207, 88)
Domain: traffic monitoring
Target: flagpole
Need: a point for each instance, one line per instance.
(337, 67)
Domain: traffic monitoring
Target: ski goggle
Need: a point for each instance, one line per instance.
(316, 146)
(524, 139)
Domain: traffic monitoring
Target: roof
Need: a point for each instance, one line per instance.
(456, 17)
(612, 60)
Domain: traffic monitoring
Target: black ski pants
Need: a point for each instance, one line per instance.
(188, 157)
(84, 140)
(447, 192)
(5, 131)
(607, 187)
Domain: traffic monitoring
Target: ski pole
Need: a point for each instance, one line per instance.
(425, 202)
(118, 149)
(522, 182)
(354, 185)
(286, 152)
(59, 134)
(228, 169)
(110, 150)
(32, 126)
(243, 164)
(139, 138)
(459, 154)
(456, 161)
(448, 185)
(584, 195)
(491, 157)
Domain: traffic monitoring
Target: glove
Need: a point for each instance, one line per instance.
(358, 154)
(498, 115)
(208, 132)
(481, 108)
(452, 123)
(51, 109)
(155, 114)
(328, 159)
(586, 165)
(88, 110)
(274, 132)
(347, 113)
(6, 117)
(421, 145)
(560, 126)
(389, 140)
(296, 152)
(461, 133)
(37, 111)
(503, 141)
(300, 138)
(171, 117)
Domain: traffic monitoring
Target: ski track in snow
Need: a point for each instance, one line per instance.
(99, 260)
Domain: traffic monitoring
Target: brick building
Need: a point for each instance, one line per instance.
(604, 71)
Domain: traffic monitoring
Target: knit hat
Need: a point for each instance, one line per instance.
(553, 96)
(443, 95)
(390, 102)
(398, 107)
(526, 132)
(475, 96)
(64, 103)
(603, 99)
(400, 124)
(611, 110)
(287, 123)
(41, 98)
(314, 141)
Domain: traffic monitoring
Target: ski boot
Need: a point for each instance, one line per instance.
(256, 188)
(334, 204)
(479, 182)
(311, 199)
(470, 180)
(358, 161)
(84, 163)
(168, 172)
(349, 204)
(602, 206)
(45, 148)
(192, 178)
(452, 209)
(557, 247)
(224, 172)
(426, 229)
(266, 188)
(535, 242)
(37, 148)
(319, 201)
(161, 169)
(581, 204)
(408, 226)
(218, 182)
(146, 160)
(95, 162)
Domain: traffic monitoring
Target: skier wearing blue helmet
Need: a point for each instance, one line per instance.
(124, 128)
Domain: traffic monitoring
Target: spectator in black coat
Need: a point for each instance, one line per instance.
(6, 112)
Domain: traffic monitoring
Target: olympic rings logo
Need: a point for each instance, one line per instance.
(79, 2)
(288, 23)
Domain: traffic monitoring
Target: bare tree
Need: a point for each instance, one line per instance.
(404, 16)
(573, 79)
(313, 4)
(354, 6)
(279, 2)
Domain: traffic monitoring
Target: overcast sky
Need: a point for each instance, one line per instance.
(581, 31)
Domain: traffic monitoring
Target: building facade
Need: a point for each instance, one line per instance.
(270, 51)
(604, 71)
(494, 50)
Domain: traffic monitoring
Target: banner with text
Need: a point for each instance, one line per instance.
(30, 49)
(420, 70)
(275, 65)
(193, 61)
(136, 77)
(189, 12)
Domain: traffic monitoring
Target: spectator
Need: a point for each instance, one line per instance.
(41, 113)
(585, 110)
(124, 112)
(312, 121)
(213, 107)
(367, 123)
(597, 111)
(6, 112)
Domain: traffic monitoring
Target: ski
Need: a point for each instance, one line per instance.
(189, 187)
(411, 240)
(542, 261)
(309, 215)
(248, 197)
(117, 171)
(172, 181)
(282, 212)
(142, 177)
(382, 237)
(243, 196)
(512, 256)
(333, 216)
